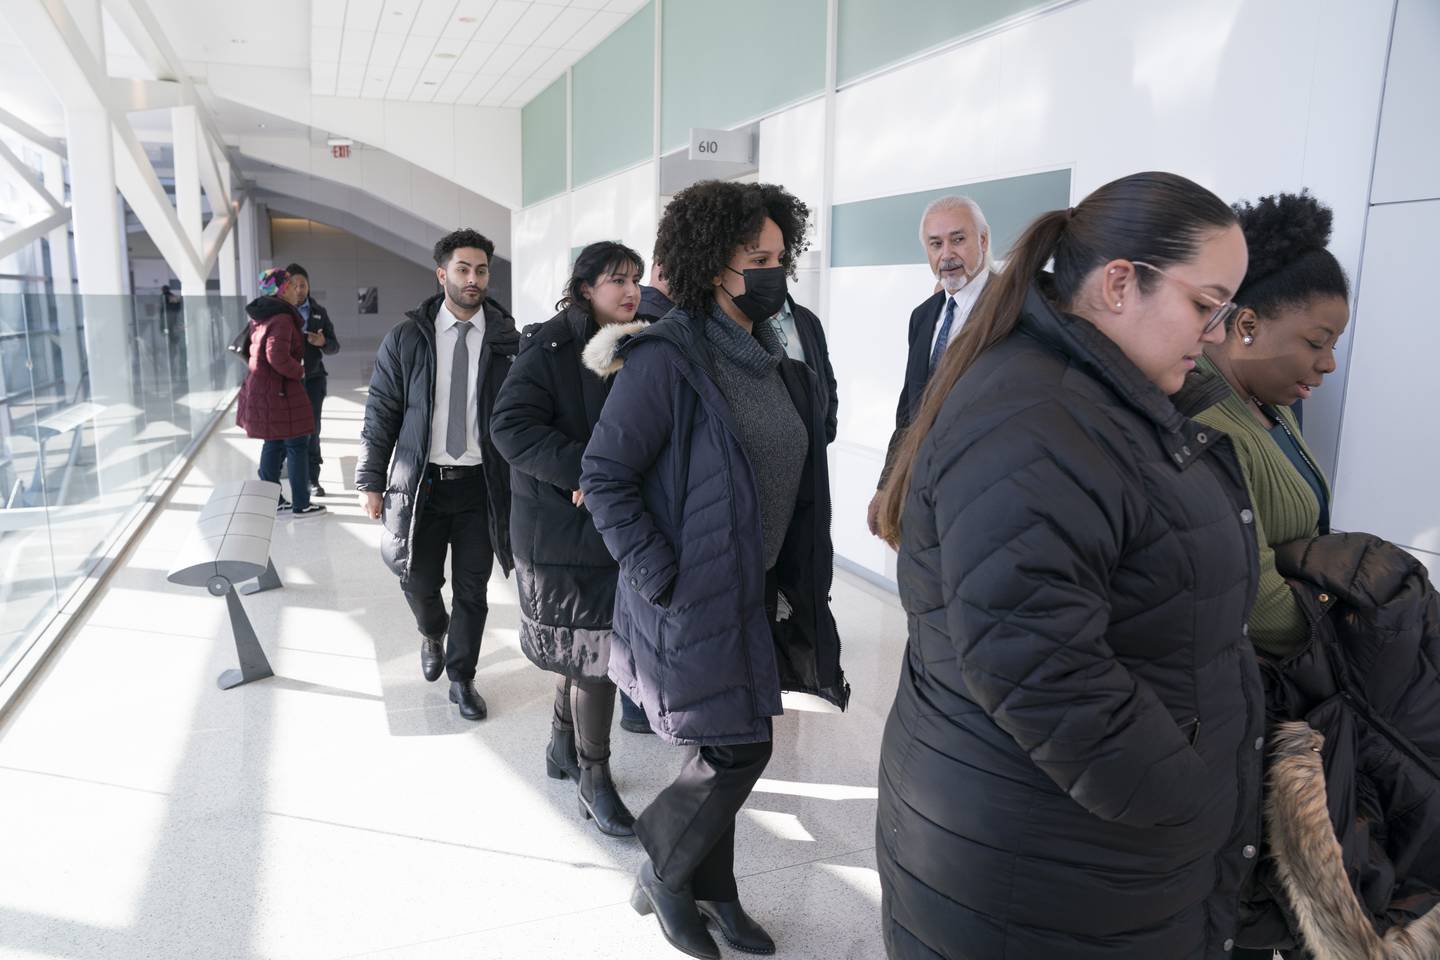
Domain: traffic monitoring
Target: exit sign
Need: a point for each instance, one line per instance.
(340, 151)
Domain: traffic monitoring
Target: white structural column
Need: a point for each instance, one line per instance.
(185, 129)
(90, 148)
(249, 249)
(63, 279)
(229, 268)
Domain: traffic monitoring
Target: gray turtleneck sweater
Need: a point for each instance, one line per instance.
(747, 369)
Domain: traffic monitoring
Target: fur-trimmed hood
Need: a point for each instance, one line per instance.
(602, 353)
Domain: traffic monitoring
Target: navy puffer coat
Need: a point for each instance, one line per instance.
(673, 494)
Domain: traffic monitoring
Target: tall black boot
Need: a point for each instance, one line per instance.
(600, 801)
(561, 760)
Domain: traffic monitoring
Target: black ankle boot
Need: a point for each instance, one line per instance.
(560, 758)
(736, 926)
(600, 801)
(680, 920)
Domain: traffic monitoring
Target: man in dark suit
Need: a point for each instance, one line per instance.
(957, 242)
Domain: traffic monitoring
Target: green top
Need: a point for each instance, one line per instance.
(1286, 509)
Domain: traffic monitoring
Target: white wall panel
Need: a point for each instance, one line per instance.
(1203, 88)
(620, 207)
(792, 154)
(542, 258)
(1389, 458)
(1406, 167)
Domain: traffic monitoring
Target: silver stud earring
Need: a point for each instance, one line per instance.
(1118, 304)
(1247, 339)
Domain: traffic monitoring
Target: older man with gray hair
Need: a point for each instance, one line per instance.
(956, 239)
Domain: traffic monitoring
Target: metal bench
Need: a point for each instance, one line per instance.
(230, 545)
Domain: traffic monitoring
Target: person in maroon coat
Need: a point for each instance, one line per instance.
(273, 404)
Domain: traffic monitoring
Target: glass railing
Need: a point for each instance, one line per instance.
(99, 398)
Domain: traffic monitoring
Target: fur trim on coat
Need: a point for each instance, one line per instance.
(602, 352)
(1308, 857)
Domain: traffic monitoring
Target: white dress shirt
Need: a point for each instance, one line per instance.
(964, 299)
(446, 336)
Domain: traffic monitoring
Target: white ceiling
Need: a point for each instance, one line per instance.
(496, 53)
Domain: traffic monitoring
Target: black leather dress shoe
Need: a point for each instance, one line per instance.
(680, 921)
(472, 705)
(736, 926)
(432, 657)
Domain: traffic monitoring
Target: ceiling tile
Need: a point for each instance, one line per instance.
(450, 45)
(375, 85)
(454, 85)
(529, 61)
(503, 58)
(402, 81)
(329, 14)
(352, 76)
(322, 78)
(479, 86)
(533, 23)
(416, 52)
(600, 26)
(466, 19)
(566, 26)
(356, 48)
(590, 4)
(475, 55)
(625, 6)
(385, 52)
(504, 15)
(395, 18)
(325, 44)
(431, 19)
(561, 61)
(362, 14)
(503, 88)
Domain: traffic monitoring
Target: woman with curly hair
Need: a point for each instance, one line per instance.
(706, 475)
(1294, 307)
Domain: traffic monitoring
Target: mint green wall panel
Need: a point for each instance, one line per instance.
(613, 89)
(723, 63)
(887, 230)
(873, 33)
(542, 144)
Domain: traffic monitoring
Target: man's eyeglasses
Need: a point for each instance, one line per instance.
(1224, 309)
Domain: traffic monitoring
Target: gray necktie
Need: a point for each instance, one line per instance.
(456, 441)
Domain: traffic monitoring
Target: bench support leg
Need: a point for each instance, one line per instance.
(253, 663)
(268, 580)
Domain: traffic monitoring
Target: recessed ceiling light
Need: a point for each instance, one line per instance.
(238, 40)
(444, 56)
(467, 19)
(427, 83)
(260, 125)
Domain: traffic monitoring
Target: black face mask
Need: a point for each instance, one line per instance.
(765, 292)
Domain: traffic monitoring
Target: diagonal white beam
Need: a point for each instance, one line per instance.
(28, 177)
(213, 239)
(55, 42)
(18, 240)
(48, 143)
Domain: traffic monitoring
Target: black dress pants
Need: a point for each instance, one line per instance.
(588, 708)
(315, 389)
(689, 831)
(454, 518)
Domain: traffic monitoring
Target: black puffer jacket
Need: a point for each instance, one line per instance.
(1072, 765)
(398, 413)
(543, 418)
(1369, 681)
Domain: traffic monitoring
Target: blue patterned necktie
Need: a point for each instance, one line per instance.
(942, 341)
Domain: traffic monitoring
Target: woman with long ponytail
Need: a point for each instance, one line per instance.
(1072, 766)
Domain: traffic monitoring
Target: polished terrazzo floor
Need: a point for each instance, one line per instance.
(343, 809)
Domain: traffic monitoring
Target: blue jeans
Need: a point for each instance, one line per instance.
(296, 454)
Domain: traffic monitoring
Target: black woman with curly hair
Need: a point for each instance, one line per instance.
(706, 476)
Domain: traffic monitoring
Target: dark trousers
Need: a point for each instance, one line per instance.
(454, 517)
(292, 452)
(587, 707)
(689, 831)
(315, 389)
